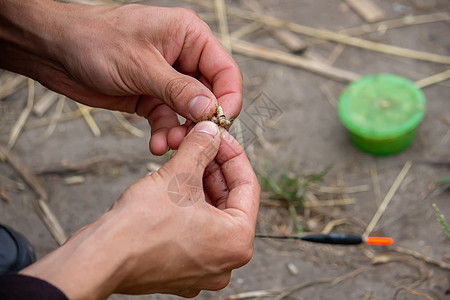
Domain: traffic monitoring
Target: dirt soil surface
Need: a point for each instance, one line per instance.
(297, 131)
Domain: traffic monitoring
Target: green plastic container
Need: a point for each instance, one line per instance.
(382, 112)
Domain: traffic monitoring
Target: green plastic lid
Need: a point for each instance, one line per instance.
(382, 112)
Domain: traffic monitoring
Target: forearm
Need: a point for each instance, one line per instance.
(24, 28)
(35, 35)
(87, 266)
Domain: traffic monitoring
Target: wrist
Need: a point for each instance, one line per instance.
(89, 259)
(37, 33)
(25, 24)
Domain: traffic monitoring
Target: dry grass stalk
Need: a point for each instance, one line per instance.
(126, 125)
(382, 208)
(367, 9)
(435, 191)
(327, 229)
(419, 265)
(336, 37)
(325, 89)
(25, 172)
(334, 55)
(72, 180)
(44, 103)
(208, 17)
(412, 292)
(285, 292)
(433, 79)
(288, 39)
(51, 221)
(89, 120)
(331, 202)
(245, 30)
(383, 26)
(354, 31)
(445, 139)
(20, 123)
(4, 195)
(12, 84)
(254, 294)
(92, 164)
(42, 208)
(278, 294)
(261, 139)
(312, 55)
(318, 189)
(221, 15)
(357, 42)
(375, 183)
(396, 23)
(420, 256)
(348, 275)
(64, 117)
(8, 181)
(54, 120)
(260, 52)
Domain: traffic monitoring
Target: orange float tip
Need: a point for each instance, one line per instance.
(381, 241)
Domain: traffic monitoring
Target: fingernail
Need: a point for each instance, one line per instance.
(207, 127)
(198, 106)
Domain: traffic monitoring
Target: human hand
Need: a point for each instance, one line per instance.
(152, 61)
(179, 231)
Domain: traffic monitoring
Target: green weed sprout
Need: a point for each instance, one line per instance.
(290, 188)
(441, 219)
(439, 215)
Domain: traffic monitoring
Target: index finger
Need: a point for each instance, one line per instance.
(225, 77)
(215, 64)
(244, 189)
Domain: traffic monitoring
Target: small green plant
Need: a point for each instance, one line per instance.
(290, 188)
(443, 180)
(441, 219)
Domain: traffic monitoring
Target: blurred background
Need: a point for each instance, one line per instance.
(296, 58)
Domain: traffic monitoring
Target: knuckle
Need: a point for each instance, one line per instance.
(190, 12)
(189, 293)
(247, 245)
(221, 282)
(175, 89)
(188, 15)
(245, 253)
(243, 248)
(193, 20)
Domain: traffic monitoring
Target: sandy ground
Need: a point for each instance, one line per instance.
(303, 136)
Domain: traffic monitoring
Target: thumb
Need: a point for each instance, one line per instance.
(197, 149)
(185, 94)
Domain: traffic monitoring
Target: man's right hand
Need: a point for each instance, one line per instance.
(179, 231)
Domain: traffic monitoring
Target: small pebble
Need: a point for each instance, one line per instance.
(292, 269)
(74, 180)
